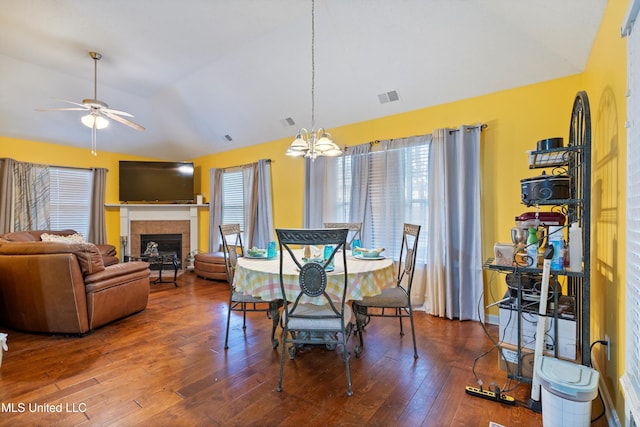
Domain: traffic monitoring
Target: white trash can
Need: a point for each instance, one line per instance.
(567, 391)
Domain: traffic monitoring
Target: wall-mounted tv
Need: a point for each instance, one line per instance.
(156, 182)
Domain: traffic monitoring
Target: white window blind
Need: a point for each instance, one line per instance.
(397, 194)
(631, 379)
(70, 199)
(398, 186)
(233, 200)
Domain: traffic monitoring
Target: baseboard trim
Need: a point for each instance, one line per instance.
(610, 409)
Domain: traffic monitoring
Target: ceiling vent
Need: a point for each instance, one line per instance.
(288, 122)
(388, 97)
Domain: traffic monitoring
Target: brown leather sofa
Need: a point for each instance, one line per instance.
(108, 252)
(58, 287)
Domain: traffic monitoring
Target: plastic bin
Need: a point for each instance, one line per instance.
(567, 392)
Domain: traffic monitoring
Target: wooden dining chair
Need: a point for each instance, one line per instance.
(394, 301)
(310, 315)
(355, 230)
(232, 248)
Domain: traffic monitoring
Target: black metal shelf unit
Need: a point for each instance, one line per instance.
(573, 160)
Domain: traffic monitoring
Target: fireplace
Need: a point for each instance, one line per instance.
(168, 244)
(137, 219)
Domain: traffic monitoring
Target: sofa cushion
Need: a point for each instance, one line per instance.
(33, 236)
(71, 238)
(89, 258)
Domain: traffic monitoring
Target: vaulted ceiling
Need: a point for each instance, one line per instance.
(195, 72)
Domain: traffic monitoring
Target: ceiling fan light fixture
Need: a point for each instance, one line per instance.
(90, 119)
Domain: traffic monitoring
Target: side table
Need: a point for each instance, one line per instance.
(161, 260)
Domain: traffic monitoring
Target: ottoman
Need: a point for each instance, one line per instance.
(210, 265)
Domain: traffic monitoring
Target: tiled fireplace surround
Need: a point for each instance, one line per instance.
(159, 219)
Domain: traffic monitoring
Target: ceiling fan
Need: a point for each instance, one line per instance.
(98, 111)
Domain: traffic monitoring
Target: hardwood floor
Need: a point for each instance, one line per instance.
(167, 366)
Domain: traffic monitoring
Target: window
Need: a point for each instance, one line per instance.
(631, 379)
(70, 199)
(397, 188)
(233, 199)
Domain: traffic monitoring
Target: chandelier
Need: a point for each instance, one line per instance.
(313, 143)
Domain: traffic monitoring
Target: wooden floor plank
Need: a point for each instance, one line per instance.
(167, 366)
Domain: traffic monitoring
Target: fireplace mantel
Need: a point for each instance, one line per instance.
(160, 212)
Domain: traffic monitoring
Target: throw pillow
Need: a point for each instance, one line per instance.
(72, 238)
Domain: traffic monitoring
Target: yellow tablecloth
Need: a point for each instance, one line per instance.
(261, 277)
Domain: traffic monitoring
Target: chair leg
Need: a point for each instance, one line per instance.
(244, 315)
(345, 356)
(361, 316)
(274, 313)
(282, 351)
(399, 314)
(413, 334)
(226, 336)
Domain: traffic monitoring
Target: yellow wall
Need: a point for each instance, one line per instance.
(58, 155)
(605, 80)
(516, 119)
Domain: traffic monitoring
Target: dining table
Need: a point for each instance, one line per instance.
(260, 277)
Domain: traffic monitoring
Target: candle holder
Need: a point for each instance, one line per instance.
(124, 240)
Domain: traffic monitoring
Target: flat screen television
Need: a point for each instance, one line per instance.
(156, 182)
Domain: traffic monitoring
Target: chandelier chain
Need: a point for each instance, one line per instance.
(313, 64)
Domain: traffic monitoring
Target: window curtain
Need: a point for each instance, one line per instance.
(262, 206)
(257, 209)
(31, 190)
(215, 208)
(6, 194)
(97, 228)
(249, 199)
(359, 184)
(454, 258)
(314, 189)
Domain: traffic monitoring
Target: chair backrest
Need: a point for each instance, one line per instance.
(231, 247)
(355, 230)
(313, 276)
(408, 252)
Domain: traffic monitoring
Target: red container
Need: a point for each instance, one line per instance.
(545, 218)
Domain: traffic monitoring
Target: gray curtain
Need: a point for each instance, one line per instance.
(359, 184)
(250, 199)
(31, 202)
(263, 225)
(6, 194)
(454, 257)
(313, 192)
(97, 228)
(215, 208)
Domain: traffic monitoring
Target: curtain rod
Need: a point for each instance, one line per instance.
(54, 166)
(482, 127)
(246, 164)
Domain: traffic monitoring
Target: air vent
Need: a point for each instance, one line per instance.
(228, 138)
(288, 122)
(388, 97)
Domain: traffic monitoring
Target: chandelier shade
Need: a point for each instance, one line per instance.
(313, 143)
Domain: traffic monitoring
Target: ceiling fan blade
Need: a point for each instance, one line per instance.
(118, 112)
(62, 109)
(85, 107)
(122, 120)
